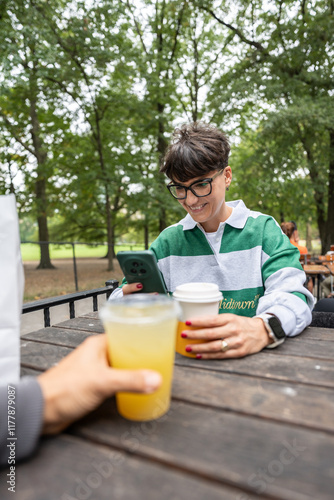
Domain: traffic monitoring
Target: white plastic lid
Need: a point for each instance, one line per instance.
(197, 292)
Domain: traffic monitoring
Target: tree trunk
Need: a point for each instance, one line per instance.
(329, 234)
(43, 232)
(111, 249)
(40, 185)
(110, 232)
(161, 147)
(319, 192)
(109, 215)
(146, 236)
(308, 237)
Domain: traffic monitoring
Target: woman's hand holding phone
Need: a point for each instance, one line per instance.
(132, 288)
(141, 272)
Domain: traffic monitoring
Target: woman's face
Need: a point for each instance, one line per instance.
(211, 210)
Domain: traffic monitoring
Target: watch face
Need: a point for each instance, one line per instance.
(276, 327)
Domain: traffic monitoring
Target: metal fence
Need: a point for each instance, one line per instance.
(69, 299)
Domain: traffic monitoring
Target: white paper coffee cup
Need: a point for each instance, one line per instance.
(198, 299)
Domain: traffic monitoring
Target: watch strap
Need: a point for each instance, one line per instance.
(271, 334)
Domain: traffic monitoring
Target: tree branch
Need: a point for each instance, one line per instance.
(183, 107)
(185, 79)
(11, 130)
(278, 24)
(177, 32)
(62, 44)
(239, 33)
(139, 32)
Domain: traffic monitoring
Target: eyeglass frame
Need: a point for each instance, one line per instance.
(207, 179)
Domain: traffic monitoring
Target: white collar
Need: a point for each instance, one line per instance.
(237, 219)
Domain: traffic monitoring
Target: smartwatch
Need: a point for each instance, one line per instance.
(274, 329)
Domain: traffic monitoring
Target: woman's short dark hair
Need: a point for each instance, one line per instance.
(196, 149)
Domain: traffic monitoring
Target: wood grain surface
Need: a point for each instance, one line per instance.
(260, 427)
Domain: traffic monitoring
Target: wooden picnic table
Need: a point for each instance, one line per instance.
(260, 427)
(316, 270)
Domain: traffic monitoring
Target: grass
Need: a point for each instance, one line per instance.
(44, 283)
(31, 251)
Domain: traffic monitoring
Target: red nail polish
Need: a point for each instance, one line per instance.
(139, 285)
(184, 335)
(188, 349)
(198, 356)
(188, 323)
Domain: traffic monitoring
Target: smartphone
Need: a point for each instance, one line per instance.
(142, 266)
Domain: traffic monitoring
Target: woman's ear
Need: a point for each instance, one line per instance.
(228, 177)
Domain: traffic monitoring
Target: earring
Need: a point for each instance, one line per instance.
(228, 187)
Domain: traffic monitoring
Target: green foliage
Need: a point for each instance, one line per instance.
(28, 229)
(91, 91)
(280, 88)
(270, 177)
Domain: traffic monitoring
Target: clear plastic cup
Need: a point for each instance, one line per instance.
(141, 333)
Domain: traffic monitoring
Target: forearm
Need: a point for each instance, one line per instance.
(293, 312)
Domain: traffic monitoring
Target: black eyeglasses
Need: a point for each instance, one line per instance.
(198, 188)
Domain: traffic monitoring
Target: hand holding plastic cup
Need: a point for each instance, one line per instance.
(141, 335)
(195, 299)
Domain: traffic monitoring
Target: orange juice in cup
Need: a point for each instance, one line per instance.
(141, 334)
(195, 299)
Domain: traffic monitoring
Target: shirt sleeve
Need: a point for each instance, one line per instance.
(285, 295)
(25, 424)
(116, 294)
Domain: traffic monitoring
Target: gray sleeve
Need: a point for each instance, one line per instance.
(27, 422)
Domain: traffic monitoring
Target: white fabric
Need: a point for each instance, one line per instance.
(11, 291)
(215, 238)
(116, 294)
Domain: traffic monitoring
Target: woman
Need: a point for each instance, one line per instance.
(290, 229)
(244, 252)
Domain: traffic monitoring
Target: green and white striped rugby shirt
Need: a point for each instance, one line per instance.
(251, 260)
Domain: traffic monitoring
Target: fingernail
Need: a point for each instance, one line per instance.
(188, 349)
(198, 356)
(139, 285)
(184, 335)
(152, 381)
(188, 323)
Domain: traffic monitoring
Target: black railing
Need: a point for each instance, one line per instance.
(69, 299)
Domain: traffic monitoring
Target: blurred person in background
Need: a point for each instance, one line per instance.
(290, 229)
